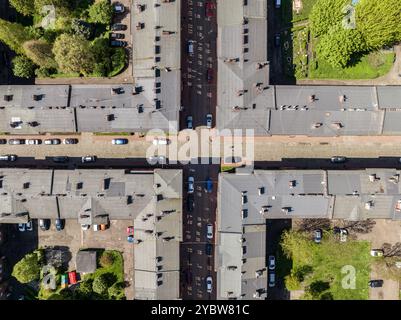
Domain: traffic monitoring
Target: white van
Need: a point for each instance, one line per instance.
(278, 4)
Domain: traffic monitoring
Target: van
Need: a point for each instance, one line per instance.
(278, 4)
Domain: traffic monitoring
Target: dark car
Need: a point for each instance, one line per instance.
(60, 159)
(16, 141)
(117, 36)
(209, 185)
(44, 224)
(3, 141)
(59, 224)
(277, 39)
(209, 249)
(375, 283)
(209, 75)
(70, 141)
(190, 203)
(338, 159)
(118, 43)
(118, 27)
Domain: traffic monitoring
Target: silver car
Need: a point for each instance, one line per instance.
(209, 284)
(209, 119)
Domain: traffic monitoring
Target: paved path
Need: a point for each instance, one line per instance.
(391, 78)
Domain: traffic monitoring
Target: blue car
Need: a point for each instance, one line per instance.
(119, 141)
(209, 185)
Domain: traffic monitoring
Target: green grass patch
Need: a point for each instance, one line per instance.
(370, 66)
(117, 268)
(227, 168)
(320, 267)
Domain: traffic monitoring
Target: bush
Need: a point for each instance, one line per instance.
(292, 283)
(28, 268)
(101, 12)
(107, 259)
(23, 67)
(101, 284)
(116, 291)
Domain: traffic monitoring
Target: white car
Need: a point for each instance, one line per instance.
(343, 235)
(29, 226)
(33, 141)
(209, 231)
(191, 182)
(85, 227)
(209, 119)
(21, 227)
(52, 141)
(161, 141)
(376, 253)
(209, 284)
(88, 159)
(96, 227)
(272, 262)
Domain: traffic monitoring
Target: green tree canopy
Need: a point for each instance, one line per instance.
(72, 54)
(339, 46)
(25, 7)
(101, 12)
(13, 35)
(40, 52)
(28, 268)
(23, 67)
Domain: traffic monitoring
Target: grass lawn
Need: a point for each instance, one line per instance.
(226, 168)
(117, 268)
(370, 66)
(326, 260)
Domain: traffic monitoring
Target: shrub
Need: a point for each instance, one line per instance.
(23, 67)
(101, 284)
(107, 259)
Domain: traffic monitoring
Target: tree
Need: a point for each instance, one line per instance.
(25, 7)
(73, 54)
(116, 291)
(84, 290)
(101, 12)
(292, 283)
(28, 268)
(23, 67)
(339, 46)
(100, 284)
(40, 52)
(81, 28)
(13, 35)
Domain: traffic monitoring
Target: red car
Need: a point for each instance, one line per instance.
(130, 230)
(209, 7)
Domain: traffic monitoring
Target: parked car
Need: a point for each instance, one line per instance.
(103, 226)
(59, 224)
(190, 46)
(162, 159)
(272, 262)
(376, 253)
(277, 40)
(375, 283)
(70, 141)
(277, 4)
(8, 157)
(85, 227)
(209, 249)
(209, 75)
(118, 27)
(189, 122)
(209, 185)
(209, 231)
(16, 141)
(96, 227)
(88, 159)
(118, 43)
(209, 119)
(209, 9)
(209, 284)
(52, 141)
(60, 159)
(44, 224)
(64, 280)
(21, 227)
(191, 182)
(119, 141)
(118, 7)
(190, 204)
(338, 159)
(161, 141)
(33, 141)
(117, 36)
(272, 279)
(130, 230)
(72, 277)
(3, 141)
(29, 226)
(131, 239)
(318, 235)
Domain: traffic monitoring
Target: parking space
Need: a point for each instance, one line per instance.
(72, 238)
